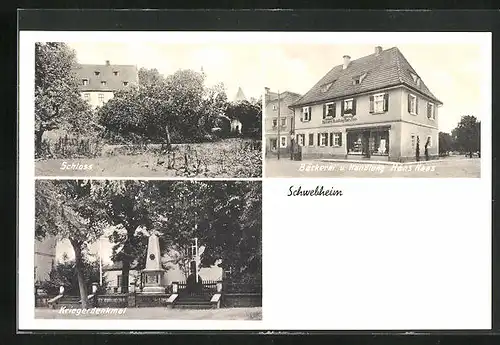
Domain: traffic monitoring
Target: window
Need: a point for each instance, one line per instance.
(97, 73)
(301, 139)
(125, 83)
(306, 114)
(275, 107)
(429, 140)
(430, 111)
(283, 141)
(101, 98)
(378, 103)
(283, 122)
(337, 139)
(412, 141)
(412, 104)
(326, 87)
(86, 96)
(103, 83)
(356, 81)
(85, 81)
(275, 122)
(349, 107)
(323, 141)
(414, 77)
(329, 110)
(274, 144)
(119, 280)
(311, 139)
(115, 73)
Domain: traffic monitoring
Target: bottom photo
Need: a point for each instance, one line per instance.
(137, 249)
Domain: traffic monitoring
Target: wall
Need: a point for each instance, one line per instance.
(421, 117)
(45, 255)
(407, 151)
(241, 300)
(94, 97)
(362, 117)
(112, 279)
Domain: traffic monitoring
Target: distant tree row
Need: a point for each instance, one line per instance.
(465, 138)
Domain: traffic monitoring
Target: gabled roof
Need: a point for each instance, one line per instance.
(273, 96)
(389, 68)
(126, 73)
(240, 96)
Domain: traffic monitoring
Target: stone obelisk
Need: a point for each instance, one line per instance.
(153, 273)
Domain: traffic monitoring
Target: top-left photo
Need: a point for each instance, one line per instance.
(125, 109)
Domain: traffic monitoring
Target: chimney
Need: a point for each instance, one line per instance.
(378, 50)
(347, 61)
(107, 62)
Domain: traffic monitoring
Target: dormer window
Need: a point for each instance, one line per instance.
(115, 73)
(85, 81)
(416, 78)
(326, 87)
(103, 83)
(125, 83)
(97, 73)
(358, 79)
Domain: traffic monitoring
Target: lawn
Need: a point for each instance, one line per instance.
(449, 167)
(222, 159)
(161, 313)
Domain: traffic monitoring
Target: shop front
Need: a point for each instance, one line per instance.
(372, 142)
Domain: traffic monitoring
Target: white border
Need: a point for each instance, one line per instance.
(26, 167)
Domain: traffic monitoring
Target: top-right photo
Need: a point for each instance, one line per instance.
(403, 110)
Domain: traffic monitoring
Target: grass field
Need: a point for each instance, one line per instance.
(161, 313)
(223, 159)
(449, 167)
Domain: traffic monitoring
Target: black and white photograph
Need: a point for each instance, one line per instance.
(139, 109)
(176, 250)
(369, 110)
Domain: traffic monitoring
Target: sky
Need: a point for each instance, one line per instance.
(452, 72)
(235, 65)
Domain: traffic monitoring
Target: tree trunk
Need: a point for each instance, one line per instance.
(125, 275)
(79, 272)
(38, 142)
(167, 137)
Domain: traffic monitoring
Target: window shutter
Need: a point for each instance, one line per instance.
(341, 108)
(428, 110)
(340, 139)
(319, 139)
(386, 102)
(409, 103)
(353, 107)
(434, 111)
(334, 106)
(416, 105)
(310, 113)
(331, 139)
(324, 110)
(302, 115)
(372, 106)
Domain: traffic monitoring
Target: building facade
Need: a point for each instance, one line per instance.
(376, 107)
(98, 83)
(286, 121)
(45, 257)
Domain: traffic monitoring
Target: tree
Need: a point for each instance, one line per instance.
(445, 143)
(250, 116)
(129, 207)
(67, 209)
(58, 103)
(177, 107)
(467, 134)
(64, 273)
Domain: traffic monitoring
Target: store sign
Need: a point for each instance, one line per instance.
(339, 119)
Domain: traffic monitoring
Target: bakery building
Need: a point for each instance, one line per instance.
(376, 107)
